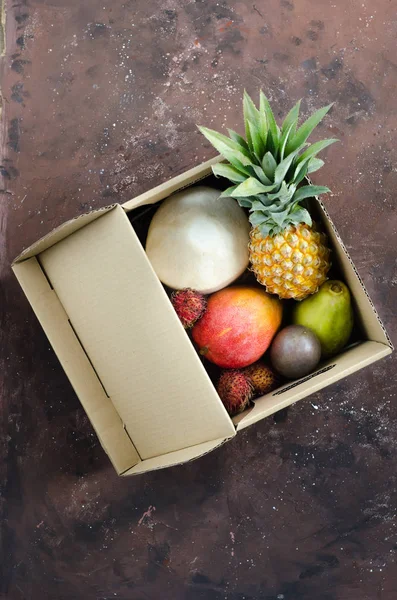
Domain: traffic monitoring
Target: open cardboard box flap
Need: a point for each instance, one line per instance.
(125, 352)
(117, 309)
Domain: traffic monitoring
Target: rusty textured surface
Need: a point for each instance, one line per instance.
(100, 101)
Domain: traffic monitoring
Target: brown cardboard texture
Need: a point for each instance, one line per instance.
(125, 352)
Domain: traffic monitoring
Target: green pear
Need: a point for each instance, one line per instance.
(329, 314)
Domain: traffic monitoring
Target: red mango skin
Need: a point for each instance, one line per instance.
(238, 326)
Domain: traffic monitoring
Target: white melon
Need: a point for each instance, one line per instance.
(198, 240)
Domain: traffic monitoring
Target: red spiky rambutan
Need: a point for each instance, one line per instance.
(262, 378)
(235, 390)
(189, 305)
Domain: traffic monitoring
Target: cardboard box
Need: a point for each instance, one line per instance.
(135, 370)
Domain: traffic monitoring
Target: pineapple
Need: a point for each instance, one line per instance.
(288, 253)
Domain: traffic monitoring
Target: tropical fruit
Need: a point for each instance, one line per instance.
(198, 241)
(189, 305)
(288, 253)
(235, 390)
(295, 351)
(262, 377)
(329, 314)
(238, 326)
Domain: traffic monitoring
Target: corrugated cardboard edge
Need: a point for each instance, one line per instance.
(360, 281)
(61, 232)
(180, 182)
(353, 360)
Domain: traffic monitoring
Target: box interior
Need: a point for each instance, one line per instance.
(368, 342)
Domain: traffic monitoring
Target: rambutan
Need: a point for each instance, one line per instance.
(262, 378)
(189, 305)
(235, 390)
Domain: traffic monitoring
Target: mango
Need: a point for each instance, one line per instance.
(238, 326)
(329, 313)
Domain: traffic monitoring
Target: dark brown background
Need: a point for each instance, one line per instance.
(100, 102)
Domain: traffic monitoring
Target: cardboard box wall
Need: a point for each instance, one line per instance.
(126, 354)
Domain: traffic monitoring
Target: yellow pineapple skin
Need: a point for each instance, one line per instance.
(292, 264)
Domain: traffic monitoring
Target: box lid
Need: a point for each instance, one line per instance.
(133, 338)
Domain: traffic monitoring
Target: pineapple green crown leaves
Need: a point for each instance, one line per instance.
(267, 167)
